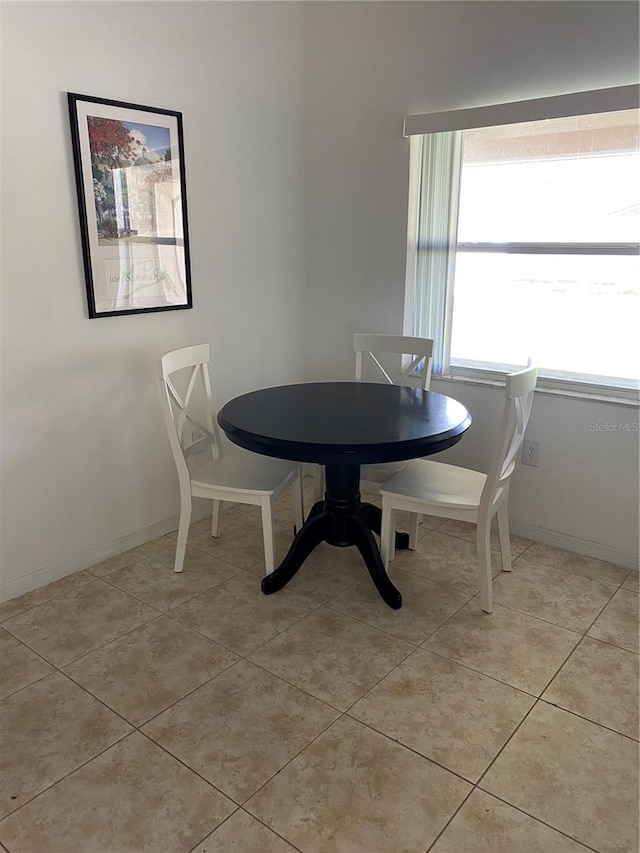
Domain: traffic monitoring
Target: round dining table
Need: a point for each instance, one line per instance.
(343, 425)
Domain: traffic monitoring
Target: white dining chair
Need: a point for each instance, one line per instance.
(391, 359)
(424, 487)
(205, 468)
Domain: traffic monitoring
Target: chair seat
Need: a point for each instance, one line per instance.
(239, 470)
(438, 483)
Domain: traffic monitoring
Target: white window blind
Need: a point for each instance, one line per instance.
(533, 209)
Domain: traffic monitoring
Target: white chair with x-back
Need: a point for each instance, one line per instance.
(223, 474)
(424, 487)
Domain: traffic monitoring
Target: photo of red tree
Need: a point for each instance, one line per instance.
(110, 142)
(128, 162)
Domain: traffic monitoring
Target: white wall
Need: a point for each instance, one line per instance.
(297, 179)
(583, 496)
(369, 64)
(86, 467)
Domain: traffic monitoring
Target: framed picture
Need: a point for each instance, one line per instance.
(129, 164)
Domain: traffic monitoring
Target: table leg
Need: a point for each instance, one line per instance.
(366, 544)
(341, 520)
(314, 531)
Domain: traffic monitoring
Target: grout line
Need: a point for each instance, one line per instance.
(251, 817)
(450, 821)
(470, 668)
(588, 720)
(102, 645)
(541, 619)
(66, 775)
(189, 693)
(295, 686)
(341, 713)
(557, 672)
(538, 562)
(615, 584)
(185, 601)
(56, 597)
(190, 769)
(612, 644)
(111, 640)
(290, 761)
(601, 611)
(30, 684)
(241, 655)
(103, 703)
(417, 643)
(271, 829)
(211, 831)
(536, 819)
(506, 743)
(410, 749)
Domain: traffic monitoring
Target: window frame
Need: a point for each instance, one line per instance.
(417, 126)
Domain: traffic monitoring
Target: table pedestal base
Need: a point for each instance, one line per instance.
(342, 520)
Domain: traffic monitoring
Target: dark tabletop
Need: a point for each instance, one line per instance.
(344, 422)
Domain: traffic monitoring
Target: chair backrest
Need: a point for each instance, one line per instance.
(518, 392)
(188, 405)
(413, 354)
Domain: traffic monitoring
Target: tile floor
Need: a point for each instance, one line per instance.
(148, 711)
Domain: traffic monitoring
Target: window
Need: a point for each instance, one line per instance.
(524, 242)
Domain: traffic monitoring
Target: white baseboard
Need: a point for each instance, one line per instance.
(9, 590)
(617, 556)
(132, 540)
(95, 555)
(19, 586)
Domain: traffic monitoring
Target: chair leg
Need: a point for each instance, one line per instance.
(484, 565)
(503, 533)
(268, 535)
(183, 530)
(215, 518)
(298, 500)
(387, 533)
(318, 484)
(414, 527)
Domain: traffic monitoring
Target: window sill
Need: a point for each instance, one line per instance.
(598, 394)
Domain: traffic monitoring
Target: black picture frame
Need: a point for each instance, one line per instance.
(132, 201)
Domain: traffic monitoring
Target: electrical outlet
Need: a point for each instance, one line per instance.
(530, 452)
